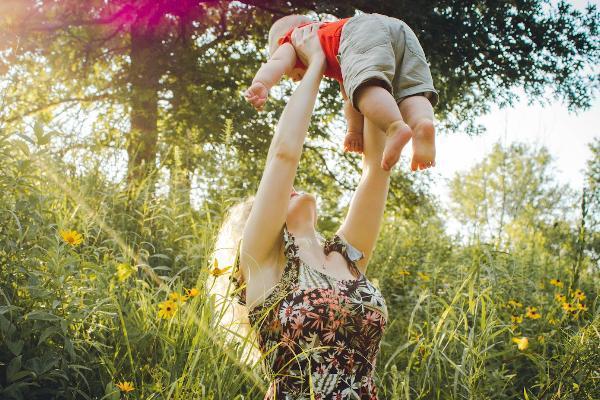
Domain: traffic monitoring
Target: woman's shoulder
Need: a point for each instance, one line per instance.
(338, 243)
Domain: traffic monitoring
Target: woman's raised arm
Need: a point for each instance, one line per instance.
(363, 221)
(263, 228)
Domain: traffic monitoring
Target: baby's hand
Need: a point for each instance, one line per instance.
(257, 95)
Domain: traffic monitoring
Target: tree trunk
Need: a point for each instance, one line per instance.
(144, 80)
(179, 165)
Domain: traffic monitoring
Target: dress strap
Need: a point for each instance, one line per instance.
(292, 259)
(338, 244)
(290, 247)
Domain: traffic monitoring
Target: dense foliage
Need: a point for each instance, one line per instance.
(100, 287)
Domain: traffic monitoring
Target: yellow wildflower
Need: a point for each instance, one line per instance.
(552, 321)
(522, 343)
(514, 303)
(516, 319)
(176, 297)
(556, 282)
(579, 295)
(581, 307)
(561, 298)
(125, 386)
(71, 237)
(216, 271)
(568, 307)
(167, 309)
(423, 276)
(532, 312)
(193, 292)
(404, 272)
(124, 271)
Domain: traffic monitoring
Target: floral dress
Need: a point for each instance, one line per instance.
(319, 335)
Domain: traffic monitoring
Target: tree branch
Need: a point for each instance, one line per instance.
(53, 104)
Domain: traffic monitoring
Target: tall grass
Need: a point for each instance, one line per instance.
(76, 320)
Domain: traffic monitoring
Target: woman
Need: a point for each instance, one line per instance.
(318, 319)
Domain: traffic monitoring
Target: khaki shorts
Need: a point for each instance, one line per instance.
(375, 47)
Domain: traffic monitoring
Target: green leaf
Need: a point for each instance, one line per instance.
(14, 366)
(111, 392)
(69, 347)
(5, 309)
(38, 130)
(22, 146)
(41, 316)
(15, 347)
(6, 327)
(51, 330)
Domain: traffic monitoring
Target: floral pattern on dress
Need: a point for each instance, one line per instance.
(320, 335)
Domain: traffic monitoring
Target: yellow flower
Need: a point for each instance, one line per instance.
(568, 307)
(124, 271)
(552, 321)
(514, 303)
(579, 295)
(404, 272)
(531, 312)
(167, 309)
(125, 386)
(581, 307)
(522, 343)
(561, 298)
(176, 297)
(556, 282)
(516, 319)
(193, 292)
(71, 237)
(216, 271)
(423, 276)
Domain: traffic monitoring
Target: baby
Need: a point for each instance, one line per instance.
(383, 75)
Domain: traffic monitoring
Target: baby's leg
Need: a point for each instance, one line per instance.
(418, 113)
(379, 106)
(354, 136)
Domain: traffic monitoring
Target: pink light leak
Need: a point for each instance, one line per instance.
(150, 13)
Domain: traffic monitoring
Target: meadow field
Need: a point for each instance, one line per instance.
(104, 296)
(125, 139)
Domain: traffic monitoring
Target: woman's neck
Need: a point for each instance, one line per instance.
(307, 237)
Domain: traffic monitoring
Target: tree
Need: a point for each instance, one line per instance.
(163, 71)
(588, 235)
(511, 185)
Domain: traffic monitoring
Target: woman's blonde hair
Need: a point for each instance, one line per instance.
(231, 315)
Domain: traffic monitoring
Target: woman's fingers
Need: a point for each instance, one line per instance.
(306, 42)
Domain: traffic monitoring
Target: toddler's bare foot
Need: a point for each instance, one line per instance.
(398, 134)
(423, 146)
(353, 142)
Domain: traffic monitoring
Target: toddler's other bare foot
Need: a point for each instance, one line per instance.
(398, 134)
(423, 146)
(353, 142)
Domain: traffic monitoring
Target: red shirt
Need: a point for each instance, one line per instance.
(329, 35)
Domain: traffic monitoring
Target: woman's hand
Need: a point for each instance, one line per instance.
(306, 42)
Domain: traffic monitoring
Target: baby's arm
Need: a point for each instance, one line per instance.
(353, 140)
(282, 62)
